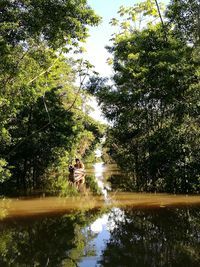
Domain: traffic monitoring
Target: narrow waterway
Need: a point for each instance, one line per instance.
(115, 229)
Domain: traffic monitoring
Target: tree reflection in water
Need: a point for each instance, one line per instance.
(47, 241)
(122, 237)
(156, 237)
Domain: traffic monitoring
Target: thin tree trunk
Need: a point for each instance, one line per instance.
(198, 23)
(26, 158)
(161, 19)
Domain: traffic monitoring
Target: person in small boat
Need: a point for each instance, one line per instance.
(79, 164)
(79, 172)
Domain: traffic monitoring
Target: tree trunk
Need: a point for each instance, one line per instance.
(25, 165)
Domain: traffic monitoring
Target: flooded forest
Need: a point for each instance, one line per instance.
(79, 191)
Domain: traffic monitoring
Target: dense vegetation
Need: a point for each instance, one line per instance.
(44, 120)
(154, 100)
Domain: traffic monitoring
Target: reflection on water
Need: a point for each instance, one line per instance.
(161, 237)
(100, 233)
(140, 230)
(119, 237)
(45, 241)
(99, 171)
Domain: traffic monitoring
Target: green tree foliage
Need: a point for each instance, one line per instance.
(136, 16)
(30, 31)
(56, 22)
(4, 172)
(42, 119)
(184, 15)
(47, 127)
(153, 107)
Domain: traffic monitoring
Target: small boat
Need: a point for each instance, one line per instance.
(79, 174)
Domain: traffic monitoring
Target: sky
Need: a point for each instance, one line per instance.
(100, 36)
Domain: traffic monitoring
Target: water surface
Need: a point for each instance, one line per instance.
(115, 229)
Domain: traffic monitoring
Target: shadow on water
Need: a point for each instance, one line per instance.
(140, 230)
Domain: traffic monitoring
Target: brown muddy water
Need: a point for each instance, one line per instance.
(54, 205)
(117, 229)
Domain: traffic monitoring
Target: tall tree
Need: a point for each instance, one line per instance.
(154, 132)
(36, 83)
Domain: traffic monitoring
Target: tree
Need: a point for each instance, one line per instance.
(48, 128)
(154, 132)
(39, 103)
(184, 15)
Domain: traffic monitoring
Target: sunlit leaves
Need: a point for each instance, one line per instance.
(39, 103)
(137, 16)
(114, 22)
(150, 106)
(4, 171)
(56, 22)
